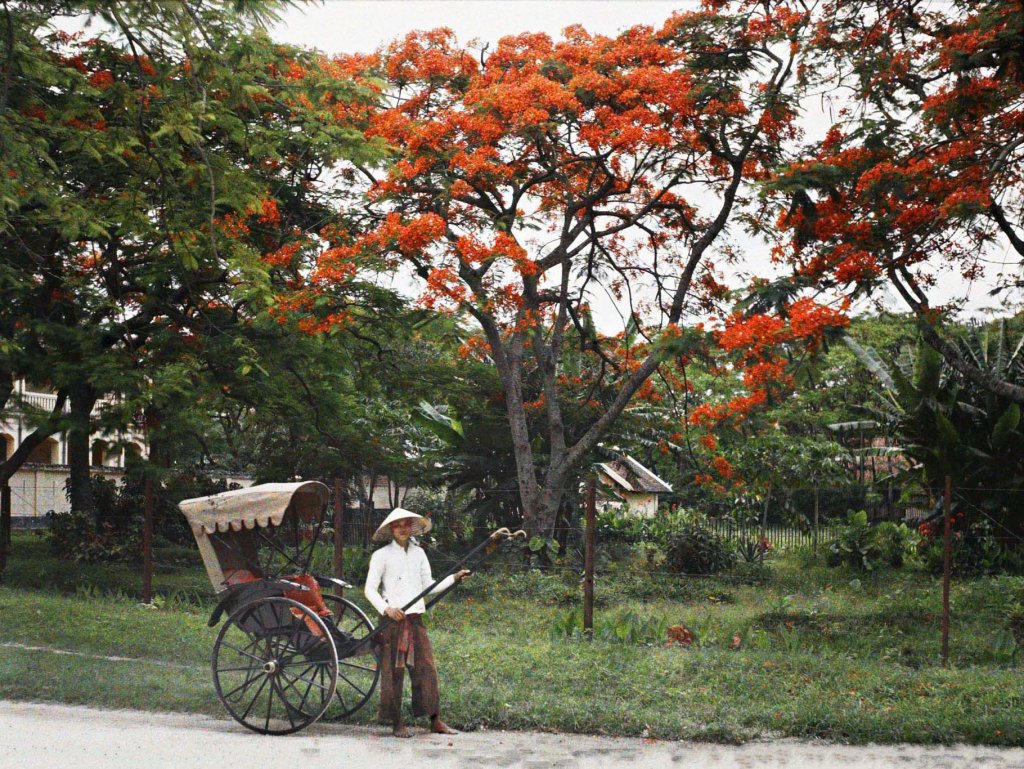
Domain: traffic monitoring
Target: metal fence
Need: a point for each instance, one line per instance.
(779, 536)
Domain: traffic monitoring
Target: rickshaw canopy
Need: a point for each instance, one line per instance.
(256, 506)
(224, 524)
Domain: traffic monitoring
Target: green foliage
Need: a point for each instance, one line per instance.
(752, 550)
(455, 525)
(848, 646)
(112, 532)
(163, 166)
(973, 550)
(542, 587)
(542, 548)
(76, 536)
(696, 550)
(627, 627)
(1015, 620)
(895, 542)
(949, 426)
(864, 547)
(614, 527)
(617, 526)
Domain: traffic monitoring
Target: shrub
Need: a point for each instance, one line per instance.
(894, 543)
(973, 550)
(615, 527)
(753, 550)
(112, 532)
(648, 556)
(1012, 560)
(755, 573)
(866, 547)
(693, 549)
(76, 536)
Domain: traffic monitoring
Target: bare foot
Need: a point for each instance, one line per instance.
(400, 731)
(437, 726)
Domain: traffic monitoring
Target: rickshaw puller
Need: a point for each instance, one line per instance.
(405, 571)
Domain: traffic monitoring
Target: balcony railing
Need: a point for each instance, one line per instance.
(42, 401)
(47, 401)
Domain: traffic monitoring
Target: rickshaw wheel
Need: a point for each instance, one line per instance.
(358, 674)
(275, 666)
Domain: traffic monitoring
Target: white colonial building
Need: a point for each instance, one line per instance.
(38, 486)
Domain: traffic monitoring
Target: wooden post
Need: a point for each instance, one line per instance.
(339, 523)
(946, 555)
(588, 560)
(5, 526)
(147, 542)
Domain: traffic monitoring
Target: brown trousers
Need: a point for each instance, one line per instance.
(402, 642)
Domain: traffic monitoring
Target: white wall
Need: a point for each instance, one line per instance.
(643, 505)
(35, 490)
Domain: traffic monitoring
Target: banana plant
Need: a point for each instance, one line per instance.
(947, 426)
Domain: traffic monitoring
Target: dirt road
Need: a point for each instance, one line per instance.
(36, 736)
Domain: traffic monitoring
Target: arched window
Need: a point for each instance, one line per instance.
(8, 445)
(99, 453)
(46, 453)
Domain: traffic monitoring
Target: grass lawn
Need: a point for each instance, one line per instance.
(822, 652)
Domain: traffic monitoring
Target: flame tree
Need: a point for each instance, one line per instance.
(525, 179)
(920, 180)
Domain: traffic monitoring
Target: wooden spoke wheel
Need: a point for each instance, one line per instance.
(358, 671)
(275, 666)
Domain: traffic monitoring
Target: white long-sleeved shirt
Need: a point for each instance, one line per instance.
(405, 573)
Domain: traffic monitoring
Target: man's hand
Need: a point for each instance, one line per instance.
(396, 614)
(462, 575)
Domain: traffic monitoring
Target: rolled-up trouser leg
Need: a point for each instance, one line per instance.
(391, 677)
(423, 674)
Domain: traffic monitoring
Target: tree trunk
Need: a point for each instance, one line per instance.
(816, 507)
(364, 493)
(548, 501)
(83, 398)
(563, 525)
(5, 527)
(764, 514)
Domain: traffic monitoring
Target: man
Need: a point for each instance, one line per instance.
(403, 568)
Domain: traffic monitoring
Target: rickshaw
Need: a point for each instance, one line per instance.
(288, 653)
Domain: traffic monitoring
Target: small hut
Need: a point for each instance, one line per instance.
(627, 485)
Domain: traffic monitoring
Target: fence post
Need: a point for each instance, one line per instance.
(339, 523)
(5, 526)
(147, 542)
(588, 560)
(946, 554)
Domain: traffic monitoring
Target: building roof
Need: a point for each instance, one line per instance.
(630, 475)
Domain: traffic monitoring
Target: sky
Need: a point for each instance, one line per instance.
(349, 26)
(363, 25)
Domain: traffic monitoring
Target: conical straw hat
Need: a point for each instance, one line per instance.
(420, 524)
